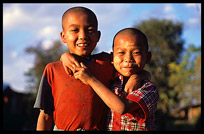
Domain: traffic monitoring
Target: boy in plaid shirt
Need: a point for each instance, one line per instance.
(129, 111)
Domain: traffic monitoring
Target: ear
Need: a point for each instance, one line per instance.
(149, 56)
(99, 35)
(62, 36)
(111, 55)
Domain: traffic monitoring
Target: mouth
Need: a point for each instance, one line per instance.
(129, 67)
(82, 45)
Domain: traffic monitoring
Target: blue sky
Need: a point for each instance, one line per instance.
(25, 25)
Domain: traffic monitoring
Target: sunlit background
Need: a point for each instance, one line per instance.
(25, 25)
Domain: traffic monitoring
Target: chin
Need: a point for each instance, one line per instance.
(83, 54)
(126, 74)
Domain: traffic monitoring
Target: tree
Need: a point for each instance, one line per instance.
(185, 78)
(166, 45)
(42, 58)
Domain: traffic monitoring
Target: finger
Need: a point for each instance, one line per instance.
(66, 70)
(73, 68)
(82, 65)
(126, 89)
(130, 90)
(78, 69)
(76, 76)
(76, 63)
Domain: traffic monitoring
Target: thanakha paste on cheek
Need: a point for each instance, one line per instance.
(116, 59)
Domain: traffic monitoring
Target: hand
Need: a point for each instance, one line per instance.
(134, 82)
(82, 73)
(69, 62)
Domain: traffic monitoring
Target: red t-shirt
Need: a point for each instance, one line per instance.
(75, 104)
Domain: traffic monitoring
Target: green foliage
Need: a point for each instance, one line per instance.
(42, 58)
(178, 78)
(166, 45)
(185, 77)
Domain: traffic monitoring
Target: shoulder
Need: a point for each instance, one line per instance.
(102, 56)
(149, 84)
(147, 89)
(53, 64)
(52, 67)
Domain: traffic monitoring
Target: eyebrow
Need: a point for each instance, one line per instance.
(136, 47)
(91, 25)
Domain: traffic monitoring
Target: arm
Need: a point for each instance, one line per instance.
(135, 80)
(120, 106)
(44, 121)
(69, 62)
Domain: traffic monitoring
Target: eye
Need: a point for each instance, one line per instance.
(74, 30)
(137, 53)
(91, 30)
(121, 52)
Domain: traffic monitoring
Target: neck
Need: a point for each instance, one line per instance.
(125, 79)
(81, 58)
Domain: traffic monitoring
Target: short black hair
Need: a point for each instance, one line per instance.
(79, 9)
(133, 31)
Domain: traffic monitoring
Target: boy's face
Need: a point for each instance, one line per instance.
(80, 33)
(129, 55)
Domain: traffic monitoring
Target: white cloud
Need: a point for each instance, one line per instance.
(112, 15)
(15, 64)
(13, 73)
(14, 16)
(168, 8)
(46, 44)
(191, 5)
(162, 11)
(48, 32)
(169, 12)
(193, 21)
(30, 17)
(194, 5)
(14, 54)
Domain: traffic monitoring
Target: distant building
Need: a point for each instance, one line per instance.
(188, 112)
(18, 112)
(13, 101)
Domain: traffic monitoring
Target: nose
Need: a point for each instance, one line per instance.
(82, 35)
(128, 57)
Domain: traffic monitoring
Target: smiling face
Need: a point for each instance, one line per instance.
(129, 54)
(80, 33)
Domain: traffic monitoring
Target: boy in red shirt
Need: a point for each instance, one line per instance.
(129, 111)
(69, 103)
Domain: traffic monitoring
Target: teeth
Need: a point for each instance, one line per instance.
(82, 45)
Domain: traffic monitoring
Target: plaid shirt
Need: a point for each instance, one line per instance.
(142, 119)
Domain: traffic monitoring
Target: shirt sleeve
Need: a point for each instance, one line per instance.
(44, 99)
(146, 97)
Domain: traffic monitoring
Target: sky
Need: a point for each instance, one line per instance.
(25, 25)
